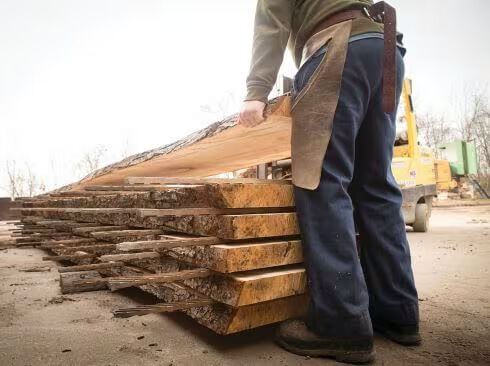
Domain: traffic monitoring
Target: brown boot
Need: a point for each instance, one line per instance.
(295, 337)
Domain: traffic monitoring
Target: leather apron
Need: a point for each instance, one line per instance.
(313, 110)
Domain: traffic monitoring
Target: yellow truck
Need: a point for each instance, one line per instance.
(414, 168)
(444, 176)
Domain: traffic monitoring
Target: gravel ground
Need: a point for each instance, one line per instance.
(38, 326)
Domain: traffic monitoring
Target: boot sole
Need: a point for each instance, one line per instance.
(339, 356)
(404, 340)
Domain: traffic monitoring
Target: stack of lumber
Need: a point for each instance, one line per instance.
(8, 231)
(225, 252)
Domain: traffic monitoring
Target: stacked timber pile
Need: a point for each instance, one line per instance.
(8, 232)
(225, 252)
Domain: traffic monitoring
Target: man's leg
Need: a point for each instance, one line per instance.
(385, 254)
(339, 299)
(338, 323)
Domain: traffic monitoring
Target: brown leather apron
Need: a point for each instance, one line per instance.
(314, 109)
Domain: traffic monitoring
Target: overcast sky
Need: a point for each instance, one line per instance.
(132, 75)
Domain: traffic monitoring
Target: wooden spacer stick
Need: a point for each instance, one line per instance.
(107, 235)
(28, 244)
(160, 308)
(90, 229)
(66, 243)
(167, 244)
(58, 258)
(117, 283)
(90, 267)
(128, 257)
(84, 247)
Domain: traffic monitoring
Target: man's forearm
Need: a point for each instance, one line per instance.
(271, 34)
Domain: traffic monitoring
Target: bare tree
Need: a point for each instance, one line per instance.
(473, 112)
(434, 131)
(221, 108)
(22, 183)
(474, 125)
(91, 160)
(126, 149)
(54, 168)
(31, 182)
(16, 180)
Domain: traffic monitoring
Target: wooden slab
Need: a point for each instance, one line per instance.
(145, 212)
(82, 193)
(221, 147)
(264, 313)
(116, 236)
(198, 181)
(227, 258)
(236, 227)
(251, 287)
(137, 189)
(231, 195)
(233, 227)
(114, 199)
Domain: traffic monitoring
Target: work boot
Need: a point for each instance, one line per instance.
(406, 335)
(295, 337)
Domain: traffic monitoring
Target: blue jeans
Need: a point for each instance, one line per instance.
(357, 190)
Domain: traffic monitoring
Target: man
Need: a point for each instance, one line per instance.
(344, 102)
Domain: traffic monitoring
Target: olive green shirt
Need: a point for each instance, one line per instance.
(281, 23)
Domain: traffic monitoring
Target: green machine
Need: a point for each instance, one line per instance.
(461, 156)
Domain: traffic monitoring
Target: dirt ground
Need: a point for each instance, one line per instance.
(38, 326)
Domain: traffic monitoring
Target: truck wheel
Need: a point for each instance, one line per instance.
(421, 224)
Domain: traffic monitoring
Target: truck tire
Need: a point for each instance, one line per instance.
(422, 214)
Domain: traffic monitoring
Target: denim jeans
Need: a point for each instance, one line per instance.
(357, 191)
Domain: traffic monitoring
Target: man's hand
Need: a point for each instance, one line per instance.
(252, 113)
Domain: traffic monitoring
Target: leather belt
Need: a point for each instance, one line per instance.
(318, 38)
(383, 13)
(336, 18)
